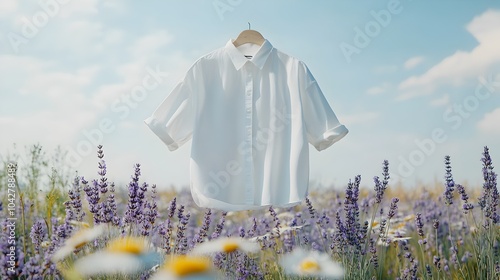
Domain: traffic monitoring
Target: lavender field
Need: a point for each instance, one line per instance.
(90, 228)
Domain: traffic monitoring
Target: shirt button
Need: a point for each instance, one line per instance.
(249, 110)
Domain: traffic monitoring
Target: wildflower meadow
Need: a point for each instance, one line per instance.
(56, 224)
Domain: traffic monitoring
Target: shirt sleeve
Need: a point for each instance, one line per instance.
(322, 126)
(173, 120)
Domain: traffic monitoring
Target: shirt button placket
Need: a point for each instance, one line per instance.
(249, 188)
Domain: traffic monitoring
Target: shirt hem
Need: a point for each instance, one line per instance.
(330, 137)
(206, 202)
(161, 133)
(243, 207)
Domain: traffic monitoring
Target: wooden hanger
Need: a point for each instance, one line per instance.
(249, 36)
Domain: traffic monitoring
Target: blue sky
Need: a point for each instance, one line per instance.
(412, 80)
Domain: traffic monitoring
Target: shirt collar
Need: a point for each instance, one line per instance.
(239, 59)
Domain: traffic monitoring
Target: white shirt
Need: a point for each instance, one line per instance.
(250, 120)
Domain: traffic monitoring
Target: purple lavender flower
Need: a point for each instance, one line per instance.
(56, 240)
(450, 184)
(352, 225)
(203, 232)
(383, 224)
(437, 262)
(406, 250)
(380, 187)
(247, 268)
(102, 183)
(288, 241)
(489, 199)
(70, 215)
(465, 198)
(141, 196)
(435, 224)
(413, 269)
(111, 214)
(172, 207)
(181, 244)
(37, 234)
(92, 196)
(253, 230)
(153, 206)
(166, 232)
(149, 213)
(373, 251)
(220, 226)
(32, 269)
(277, 222)
(420, 224)
(310, 207)
(241, 232)
(306, 240)
(428, 270)
(393, 208)
(75, 199)
(133, 201)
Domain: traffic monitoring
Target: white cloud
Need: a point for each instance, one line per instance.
(8, 7)
(150, 43)
(14, 64)
(360, 118)
(130, 75)
(489, 123)
(461, 66)
(42, 80)
(413, 62)
(442, 101)
(87, 37)
(17, 70)
(115, 5)
(80, 38)
(62, 88)
(66, 109)
(45, 127)
(376, 90)
(79, 7)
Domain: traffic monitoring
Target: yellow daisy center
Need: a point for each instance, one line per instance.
(80, 245)
(184, 265)
(79, 238)
(127, 245)
(230, 247)
(309, 266)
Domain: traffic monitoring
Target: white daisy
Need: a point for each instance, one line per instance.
(311, 263)
(77, 241)
(186, 267)
(286, 216)
(226, 245)
(122, 255)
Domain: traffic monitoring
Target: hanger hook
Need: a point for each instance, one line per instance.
(249, 26)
